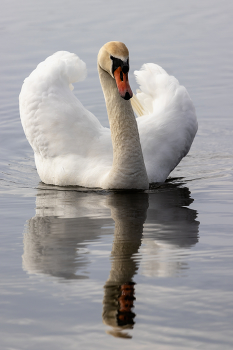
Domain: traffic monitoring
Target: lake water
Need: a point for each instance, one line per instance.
(84, 269)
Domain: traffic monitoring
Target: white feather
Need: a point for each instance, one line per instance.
(169, 125)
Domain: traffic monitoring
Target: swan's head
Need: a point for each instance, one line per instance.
(113, 57)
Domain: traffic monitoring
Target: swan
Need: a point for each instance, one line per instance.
(70, 145)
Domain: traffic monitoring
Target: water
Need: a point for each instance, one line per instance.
(97, 269)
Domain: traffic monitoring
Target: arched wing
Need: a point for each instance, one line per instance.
(166, 120)
(64, 135)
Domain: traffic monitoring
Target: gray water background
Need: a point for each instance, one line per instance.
(66, 255)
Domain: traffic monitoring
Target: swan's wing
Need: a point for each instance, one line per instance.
(63, 134)
(166, 120)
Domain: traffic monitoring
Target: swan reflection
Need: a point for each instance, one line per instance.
(151, 229)
(56, 238)
(171, 229)
(129, 213)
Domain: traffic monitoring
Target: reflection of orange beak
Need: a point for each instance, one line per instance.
(123, 84)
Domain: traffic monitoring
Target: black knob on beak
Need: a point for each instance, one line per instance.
(125, 68)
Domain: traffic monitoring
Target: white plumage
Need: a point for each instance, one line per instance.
(71, 147)
(169, 123)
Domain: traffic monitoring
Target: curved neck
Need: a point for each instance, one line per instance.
(128, 169)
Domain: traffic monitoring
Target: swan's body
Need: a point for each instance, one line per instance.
(71, 146)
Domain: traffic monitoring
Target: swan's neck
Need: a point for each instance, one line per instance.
(128, 169)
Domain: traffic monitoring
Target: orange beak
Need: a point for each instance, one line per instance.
(123, 84)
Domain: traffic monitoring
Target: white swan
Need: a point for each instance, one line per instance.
(71, 147)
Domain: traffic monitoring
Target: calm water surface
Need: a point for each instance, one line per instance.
(101, 270)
